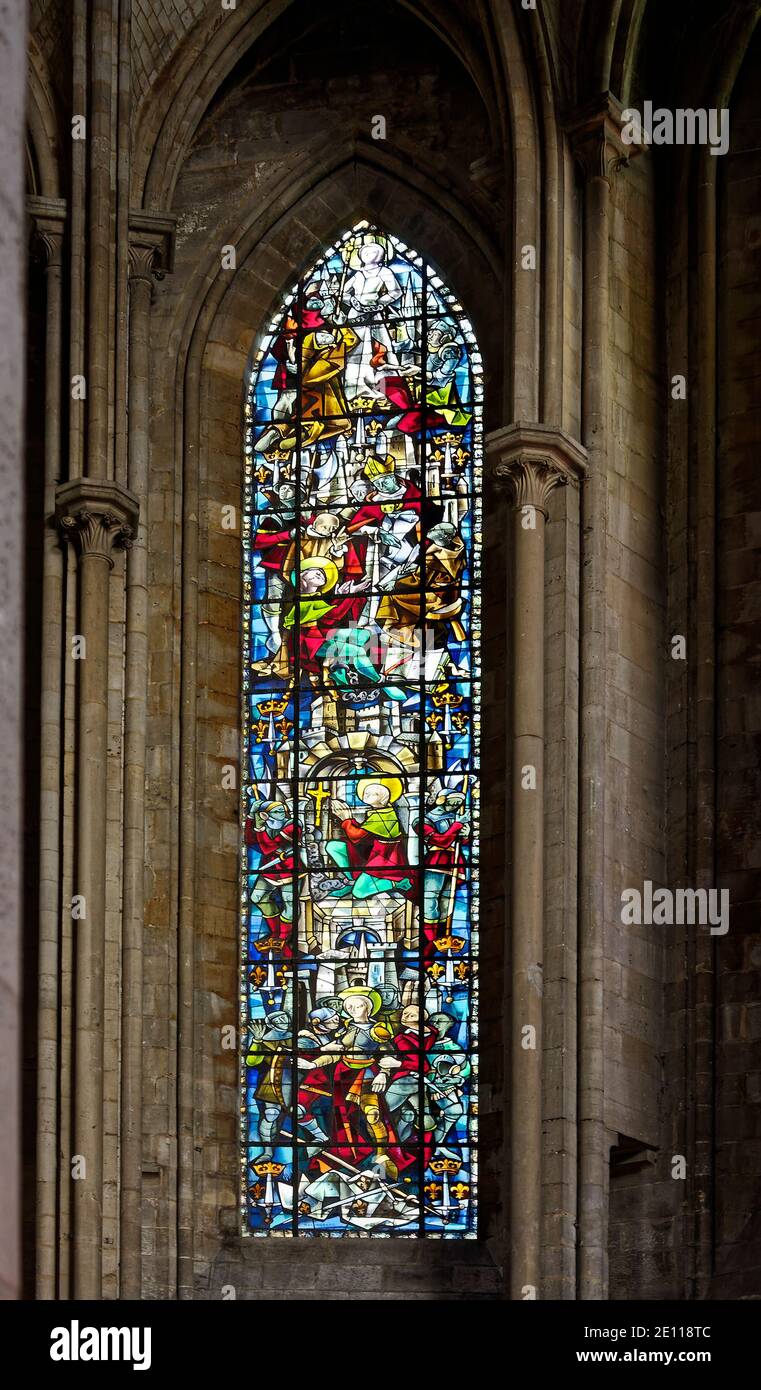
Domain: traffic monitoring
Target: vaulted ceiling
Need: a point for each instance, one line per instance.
(183, 52)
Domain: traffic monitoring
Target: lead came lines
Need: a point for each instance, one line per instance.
(363, 438)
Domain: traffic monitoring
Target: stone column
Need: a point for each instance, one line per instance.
(596, 138)
(529, 460)
(49, 223)
(149, 257)
(12, 346)
(98, 457)
(98, 517)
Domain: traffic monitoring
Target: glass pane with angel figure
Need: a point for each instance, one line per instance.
(360, 791)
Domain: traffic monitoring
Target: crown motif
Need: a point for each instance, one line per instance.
(442, 695)
(266, 1167)
(273, 706)
(445, 1165)
(449, 943)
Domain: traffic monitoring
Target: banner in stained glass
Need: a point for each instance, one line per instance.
(360, 782)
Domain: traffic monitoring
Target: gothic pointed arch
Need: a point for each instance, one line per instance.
(207, 56)
(43, 145)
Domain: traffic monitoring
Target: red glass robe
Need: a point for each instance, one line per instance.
(279, 848)
(442, 855)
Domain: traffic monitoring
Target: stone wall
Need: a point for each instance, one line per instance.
(635, 792)
(635, 811)
(738, 772)
(270, 135)
(12, 82)
(682, 1213)
(254, 128)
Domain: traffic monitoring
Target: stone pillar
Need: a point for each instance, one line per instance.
(596, 138)
(49, 223)
(149, 257)
(12, 346)
(529, 460)
(98, 458)
(98, 517)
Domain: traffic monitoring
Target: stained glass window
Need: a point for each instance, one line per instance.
(360, 791)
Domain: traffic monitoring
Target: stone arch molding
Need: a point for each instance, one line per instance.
(302, 199)
(211, 50)
(515, 77)
(42, 126)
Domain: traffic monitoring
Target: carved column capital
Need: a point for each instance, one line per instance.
(47, 217)
(143, 264)
(529, 460)
(151, 247)
(595, 133)
(100, 517)
(48, 245)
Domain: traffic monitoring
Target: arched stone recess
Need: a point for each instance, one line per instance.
(209, 334)
(204, 325)
(210, 52)
(522, 152)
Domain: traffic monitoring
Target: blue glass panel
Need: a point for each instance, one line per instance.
(360, 794)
